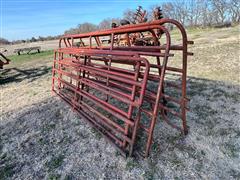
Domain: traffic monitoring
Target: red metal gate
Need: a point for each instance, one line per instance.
(88, 81)
(84, 65)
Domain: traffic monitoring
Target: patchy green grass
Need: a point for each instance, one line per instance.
(131, 163)
(7, 171)
(97, 134)
(54, 176)
(48, 127)
(18, 59)
(55, 162)
(6, 167)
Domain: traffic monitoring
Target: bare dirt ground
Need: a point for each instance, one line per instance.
(42, 138)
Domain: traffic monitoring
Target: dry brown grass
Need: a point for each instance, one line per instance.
(41, 138)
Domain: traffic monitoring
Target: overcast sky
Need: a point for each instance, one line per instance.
(21, 19)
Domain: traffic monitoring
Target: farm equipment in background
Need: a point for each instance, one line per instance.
(3, 59)
(27, 50)
(140, 16)
(138, 39)
(123, 90)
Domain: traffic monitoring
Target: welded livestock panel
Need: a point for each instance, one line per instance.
(163, 94)
(104, 94)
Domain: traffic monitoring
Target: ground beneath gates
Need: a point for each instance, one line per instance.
(42, 138)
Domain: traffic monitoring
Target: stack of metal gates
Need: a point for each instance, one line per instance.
(122, 90)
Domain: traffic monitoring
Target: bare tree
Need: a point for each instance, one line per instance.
(205, 16)
(107, 23)
(220, 9)
(194, 12)
(169, 10)
(176, 10)
(181, 11)
(87, 27)
(234, 10)
(40, 38)
(4, 41)
(129, 15)
(82, 28)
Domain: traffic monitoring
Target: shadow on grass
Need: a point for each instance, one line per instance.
(212, 120)
(17, 74)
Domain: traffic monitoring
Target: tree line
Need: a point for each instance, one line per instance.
(203, 12)
(33, 39)
(192, 13)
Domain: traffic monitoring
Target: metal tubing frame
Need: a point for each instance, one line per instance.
(127, 117)
(156, 51)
